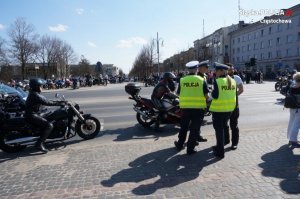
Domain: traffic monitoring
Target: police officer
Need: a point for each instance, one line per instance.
(192, 101)
(32, 107)
(233, 121)
(223, 103)
(202, 70)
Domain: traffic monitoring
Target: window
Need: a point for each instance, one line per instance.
(289, 26)
(249, 47)
(248, 58)
(255, 56)
(238, 59)
(270, 42)
(299, 21)
(288, 52)
(233, 41)
(298, 51)
(239, 40)
(238, 50)
(233, 51)
(278, 54)
(279, 27)
(298, 36)
(269, 55)
(262, 45)
(289, 38)
(242, 58)
(233, 60)
(262, 56)
(278, 41)
(254, 35)
(249, 37)
(262, 33)
(244, 49)
(270, 30)
(254, 46)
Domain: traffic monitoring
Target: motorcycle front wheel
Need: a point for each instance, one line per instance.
(10, 148)
(277, 86)
(145, 122)
(88, 129)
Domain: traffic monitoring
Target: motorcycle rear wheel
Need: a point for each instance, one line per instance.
(88, 130)
(145, 122)
(9, 148)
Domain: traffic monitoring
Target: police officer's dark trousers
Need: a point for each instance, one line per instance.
(190, 119)
(45, 126)
(220, 122)
(233, 121)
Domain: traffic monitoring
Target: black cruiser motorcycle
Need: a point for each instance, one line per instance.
(68, 120)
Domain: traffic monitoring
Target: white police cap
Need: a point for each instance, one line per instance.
(204, 63)
(219, 66)
(192, 64)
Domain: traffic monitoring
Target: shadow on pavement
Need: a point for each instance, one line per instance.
(282, 164)
(164, 168)
(139, 132)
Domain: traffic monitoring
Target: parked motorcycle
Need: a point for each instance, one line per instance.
(16, 133)
(147, 114)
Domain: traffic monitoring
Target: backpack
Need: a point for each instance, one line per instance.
(290, 101)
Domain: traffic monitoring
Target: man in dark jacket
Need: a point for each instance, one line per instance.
(32, 107)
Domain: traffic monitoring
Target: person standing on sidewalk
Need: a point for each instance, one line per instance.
(202, 70)
(233, 121)
(294, 121)
(192, 100)
(223, 103)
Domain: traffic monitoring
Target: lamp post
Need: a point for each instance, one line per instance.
(157, 46)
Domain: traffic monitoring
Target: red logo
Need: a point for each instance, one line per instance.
(288, 13)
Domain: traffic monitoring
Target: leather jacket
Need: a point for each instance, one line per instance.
(35, 101)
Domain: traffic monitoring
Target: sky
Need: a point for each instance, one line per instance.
(114, 31)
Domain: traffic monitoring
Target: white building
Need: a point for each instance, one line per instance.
(274, 45)
(215, 46)
(111, 70)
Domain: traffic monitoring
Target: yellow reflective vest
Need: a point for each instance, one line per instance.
(226, 101)
(191, 92)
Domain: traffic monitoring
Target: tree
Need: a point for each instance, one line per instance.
(23, 42)
(3, 51)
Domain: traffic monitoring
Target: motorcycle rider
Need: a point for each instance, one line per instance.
(164, 88)
(32, 106)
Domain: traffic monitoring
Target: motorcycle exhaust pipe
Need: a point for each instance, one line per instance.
(144, 114)
(25, 140)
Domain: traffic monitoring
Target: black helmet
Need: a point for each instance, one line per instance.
(35, 83)
(168, 75)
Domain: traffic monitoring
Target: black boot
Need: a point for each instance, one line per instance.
(40, 146)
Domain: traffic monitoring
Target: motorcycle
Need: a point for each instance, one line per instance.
(16, 134)
(147, 114)
(281, 82)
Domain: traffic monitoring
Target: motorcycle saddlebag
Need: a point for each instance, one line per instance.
(132, 89)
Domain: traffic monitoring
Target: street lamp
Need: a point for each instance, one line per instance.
(157, 45)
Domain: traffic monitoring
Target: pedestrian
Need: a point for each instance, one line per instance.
(223, 103)
(233, 120)
(193, 93)
(294, 121)
(202, 70)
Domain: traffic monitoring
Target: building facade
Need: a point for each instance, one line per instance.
(275, 46)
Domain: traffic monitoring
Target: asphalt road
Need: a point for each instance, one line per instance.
(260, 108)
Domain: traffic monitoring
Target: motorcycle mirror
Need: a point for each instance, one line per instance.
(63, 97)
(56, 95)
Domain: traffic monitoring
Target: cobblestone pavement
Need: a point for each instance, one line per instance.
(262, 167)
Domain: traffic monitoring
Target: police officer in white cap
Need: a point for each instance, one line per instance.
(192, 101)
(222, 104)
(202, 70)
